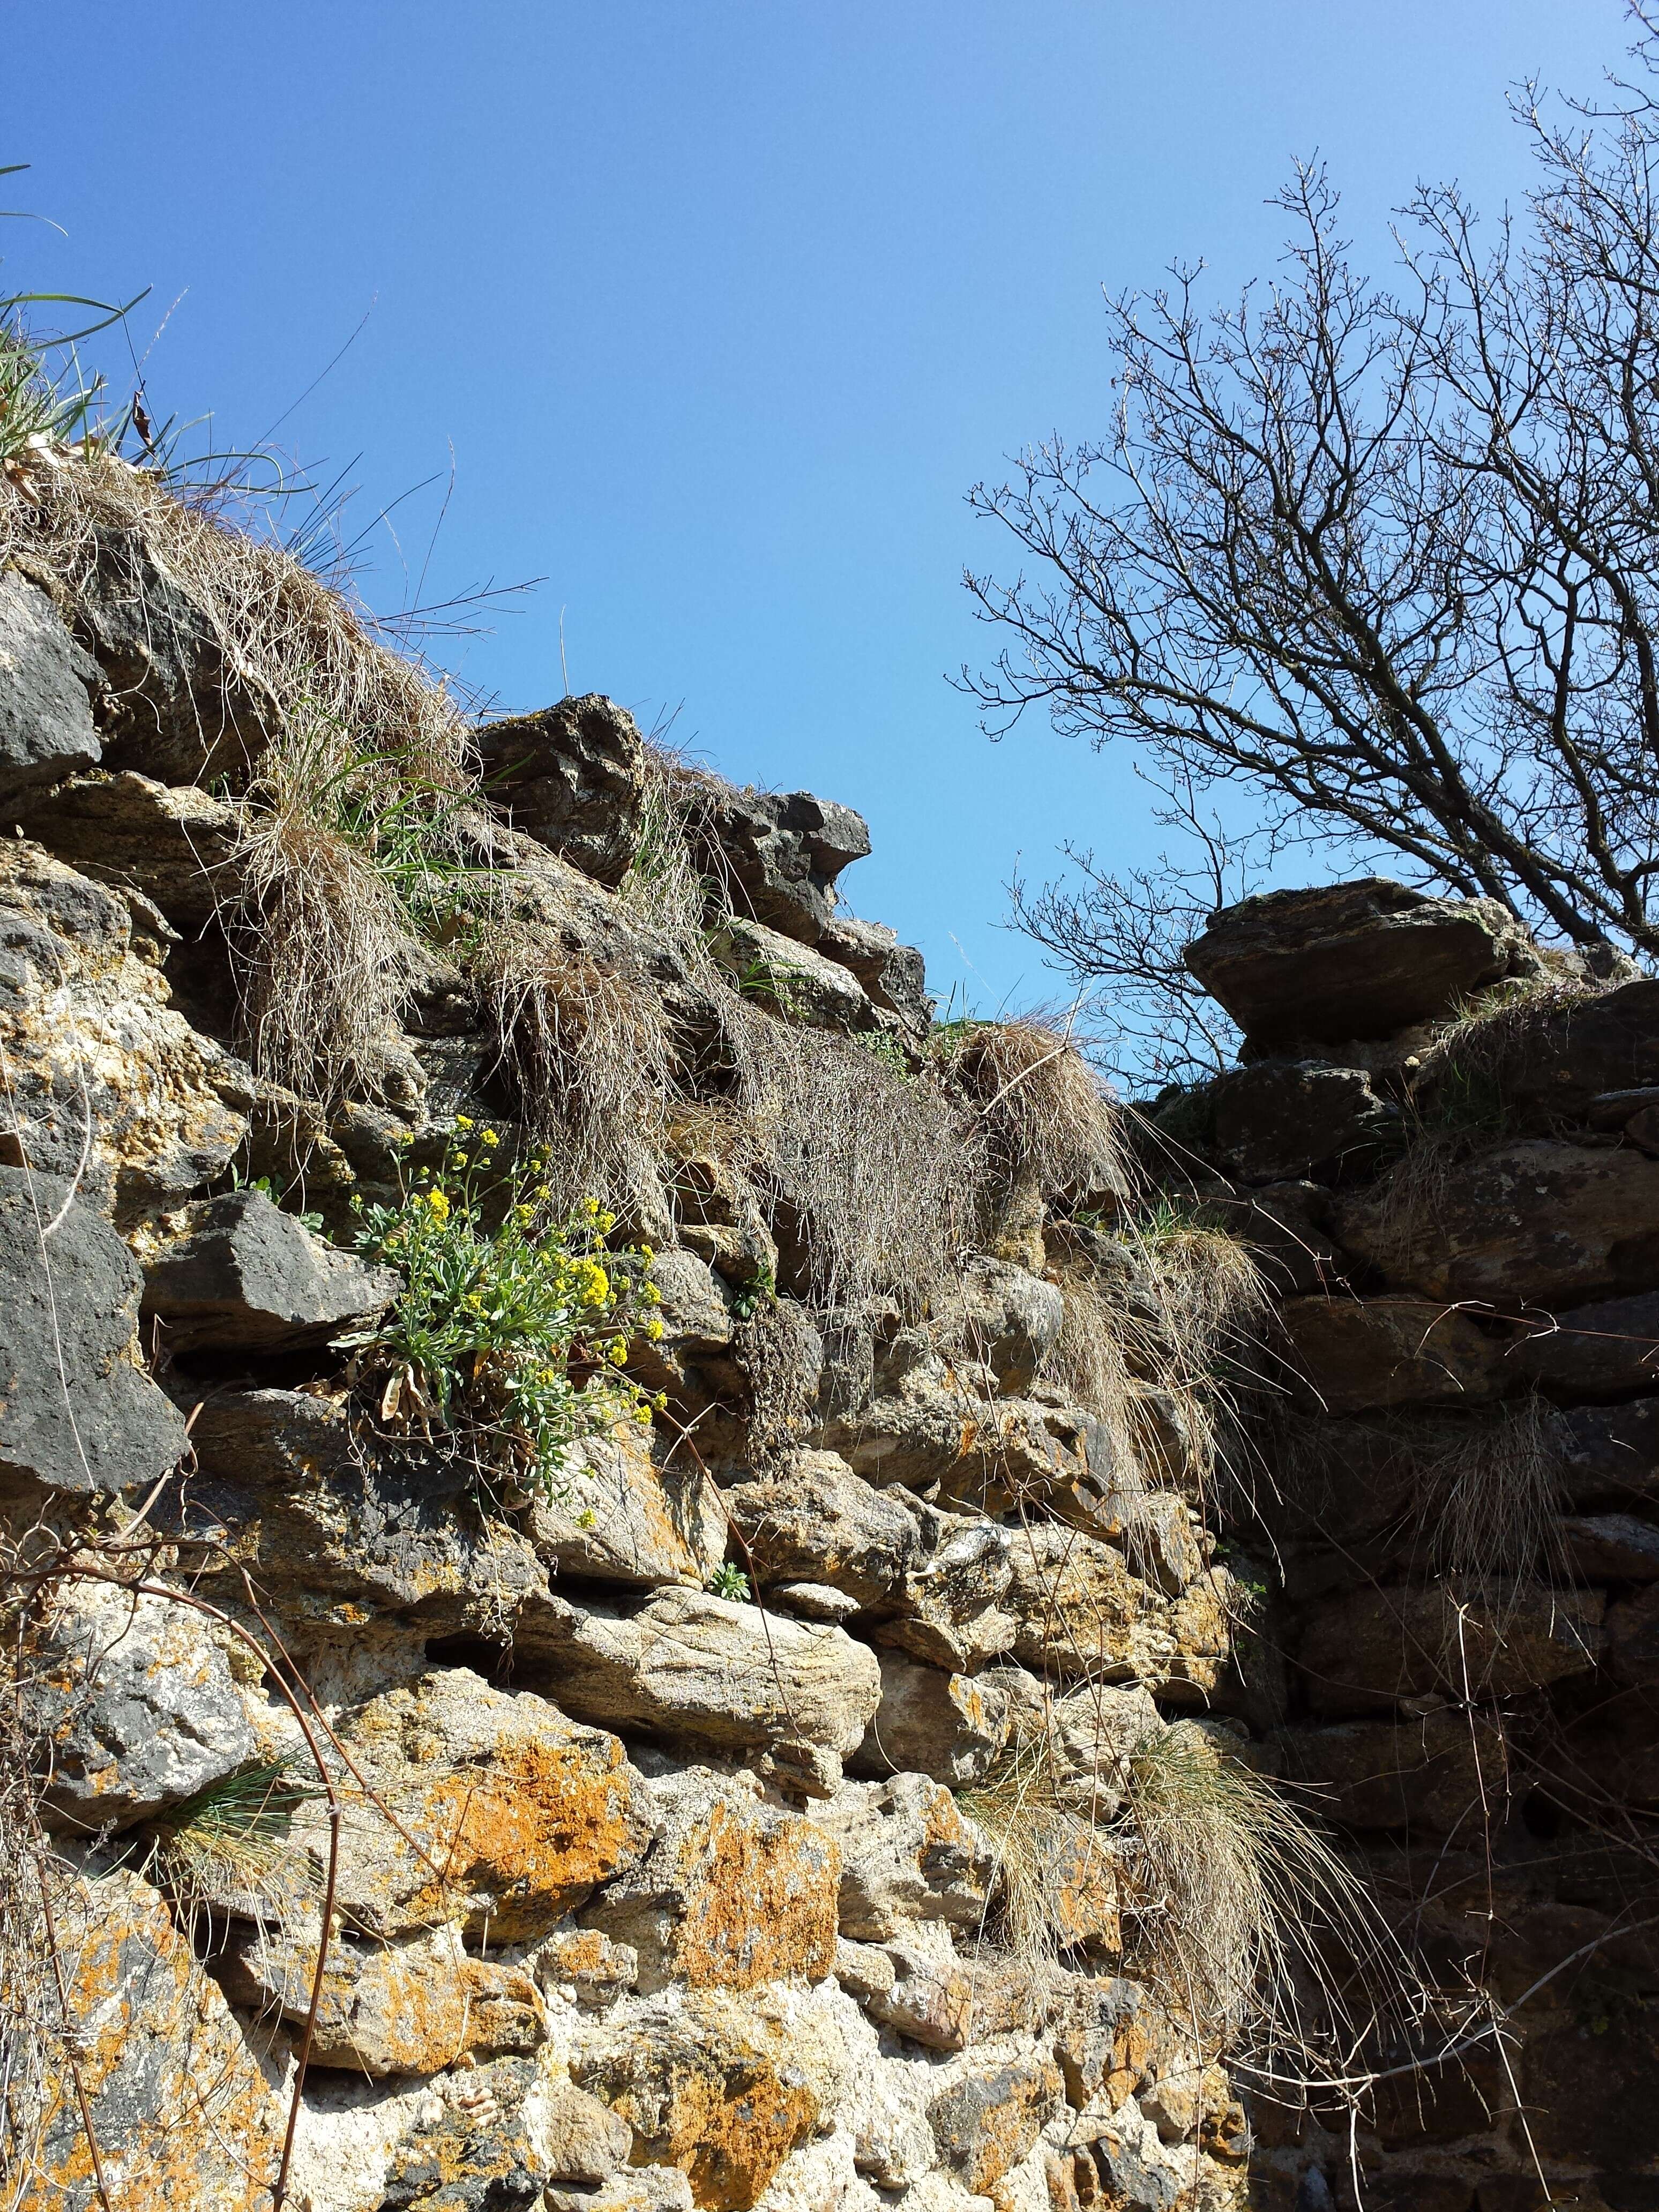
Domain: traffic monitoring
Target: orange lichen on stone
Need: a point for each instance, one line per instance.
(764, 1905)
(185, 2118)
(537, 1829)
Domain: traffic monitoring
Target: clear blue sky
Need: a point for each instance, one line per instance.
(722, 305)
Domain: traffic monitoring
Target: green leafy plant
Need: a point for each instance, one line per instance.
(516, 1318)
(729, 1581)
(761, 1289)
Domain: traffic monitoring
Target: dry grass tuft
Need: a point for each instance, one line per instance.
(230, 1840)
(1045, 1118)
(590, 1051)
(1228, 1890)
(1488, 1494)
(1041, 1845)
(877, 1170)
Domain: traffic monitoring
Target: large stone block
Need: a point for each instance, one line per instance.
(730, 1892)
(185, 2118)
(509, 1816)
(1080, 1611)
(46, 714)
(778, 854)
(1348, 1355)
(1282, 1119)
(175, 843)
(950, 1726)
(791, 1696)
(135, 1698)
(573, 776)
(1536, 1223)
(611, 1515)
(991, 2110)
(820, 1522)
(246, 1276)
(1352, 960)
(1457, 1637)
(77, 1413)
(907, 1854)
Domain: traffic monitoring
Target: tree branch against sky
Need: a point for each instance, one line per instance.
(1373, 567)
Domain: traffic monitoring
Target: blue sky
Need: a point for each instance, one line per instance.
(721, 306)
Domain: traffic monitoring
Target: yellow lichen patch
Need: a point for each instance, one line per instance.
(536, 1830)
(763, 1905)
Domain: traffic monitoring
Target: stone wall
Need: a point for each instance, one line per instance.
(604, 1841)
(1445, 1142)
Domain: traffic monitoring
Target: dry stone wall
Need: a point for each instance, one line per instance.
(608, 1841)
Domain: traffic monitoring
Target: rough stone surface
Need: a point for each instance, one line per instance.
(1283, 1120)
(1371, 1649)
(779, 854)
(77, 1413)
(950, 1726)
(185, 2118)
(246, 1276)
(573, 776)
(795, 1695)
(174, 842)
(616, 1516)
(46, 719)
(136, 1697)
(730, 1892)
(1347, 1355)
(820, 1521)
(1352, 960)
(907, 1854)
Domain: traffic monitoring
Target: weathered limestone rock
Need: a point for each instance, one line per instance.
(798, 980)
(77, 1413)
(612, 1515)
(509, 1814)
(946, 2004)
(137, 1700)
(1088, 1736)
(794, 1696)
(45, 716)
(950, 1610)
(174, 842)
(1006, 1317)
(1352, 960)
(779, 854)
(819, 1522)
(705, 2087)
(1535, 1223)
(342, 1528)
(894, 974)
(1283, 1120)
(584, 1965)
(108, 1083)
(415, 2006)
(573, 776)
(951, 1726)
(733, 1890)
(1080, 1611)
(483, 2149)
(991, 2112)
(185, 2118)
(1633, 1639)
(907, 1854)
(717, 1212)
(1458, 1637)
(246, 1276)
(171, 703)
(1351, 1356)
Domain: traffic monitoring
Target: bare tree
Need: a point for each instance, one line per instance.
(1384, 560)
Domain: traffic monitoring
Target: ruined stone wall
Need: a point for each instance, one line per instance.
(603, 1841)
(1446, 1146)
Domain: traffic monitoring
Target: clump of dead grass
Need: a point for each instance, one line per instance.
(590, 1050)
(1045, 1119)
(1042, 1850)
(231, 1840)
(1487, 1494)
(877, 1170)
(1231, 1891)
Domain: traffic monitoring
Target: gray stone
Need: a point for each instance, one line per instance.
(1427, 1772)
(893, 973)
(246, 1276)
(777, 854)
(174, 842)
(1608, 1349)
(170, 704)
(1608, 1456)
(951, 1726)
(782, 971)
(573, 776)
(907, 1855)
(45, 716)
(1006, 1316)
(1352, 960)
(1347, 1355)
(1282, 1119)
(992, 2112)
(819, 1522)
(77, 1411)
(787, 1695)
(1612, 1547)
(949, 1611)
(137, 1699)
